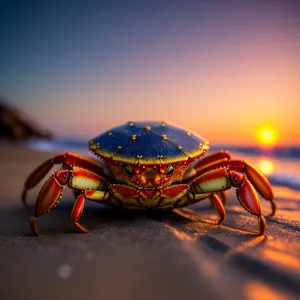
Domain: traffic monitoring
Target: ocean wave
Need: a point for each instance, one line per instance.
(291, 181)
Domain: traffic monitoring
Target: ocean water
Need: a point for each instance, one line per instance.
(281, 165)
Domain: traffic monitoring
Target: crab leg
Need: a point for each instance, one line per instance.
(215, 200)
(77, 178)
(222, 159)
(85, 180)
(222, 179)
(68, 159)
(222, 196)
(77, 212)
(256, 177)
(211, 161)
(219, 206)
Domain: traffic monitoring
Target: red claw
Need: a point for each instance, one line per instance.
(245, 177)
(256, 177)
(248, 198)
(245, 192)
(48, 196)
(68, 159)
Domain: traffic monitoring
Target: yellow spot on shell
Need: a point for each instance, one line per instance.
(119, 147)
(164, 137)
(206, 146)
(188, 133)
(138, 158)
(180, 147)
(148, 128)
(133, 137)
(110, 133)
(163, 124)
(130, 123)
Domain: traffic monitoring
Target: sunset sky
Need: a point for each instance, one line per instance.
(223, 69)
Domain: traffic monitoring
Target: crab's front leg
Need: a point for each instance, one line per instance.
(222, 179)
(89, 185)
(67, 160)
(257, 178)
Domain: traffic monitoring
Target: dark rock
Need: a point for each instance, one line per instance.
(14, 125)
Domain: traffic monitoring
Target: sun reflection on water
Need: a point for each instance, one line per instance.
(257, 290)
(266, 166)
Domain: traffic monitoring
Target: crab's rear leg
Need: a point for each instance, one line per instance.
(68, 160)
(222, 179)
(77, 178)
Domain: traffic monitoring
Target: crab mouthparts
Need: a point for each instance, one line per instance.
(149, 182)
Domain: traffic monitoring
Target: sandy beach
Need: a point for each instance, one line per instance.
(177, 255)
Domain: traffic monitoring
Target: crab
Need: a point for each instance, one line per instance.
(149, 165)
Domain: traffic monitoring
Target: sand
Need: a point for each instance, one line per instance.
(154, 256)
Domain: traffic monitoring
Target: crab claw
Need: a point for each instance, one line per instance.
(248, 197)
(246, 193)
(257, 179)
(35, 177)
(261, 184)
(67, 159)
(48, 196)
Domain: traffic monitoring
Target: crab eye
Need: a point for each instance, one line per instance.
(170, 170)
(128, 170)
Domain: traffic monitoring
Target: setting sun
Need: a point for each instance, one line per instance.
(267, 136)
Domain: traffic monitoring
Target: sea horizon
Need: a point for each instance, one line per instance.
(281, 164)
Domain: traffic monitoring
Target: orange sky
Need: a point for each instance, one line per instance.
(222, 71)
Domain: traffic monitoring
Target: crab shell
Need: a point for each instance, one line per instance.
(149, 143)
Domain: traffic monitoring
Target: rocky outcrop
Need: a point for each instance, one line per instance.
(14, 125)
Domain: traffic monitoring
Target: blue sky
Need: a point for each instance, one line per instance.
(217, 67)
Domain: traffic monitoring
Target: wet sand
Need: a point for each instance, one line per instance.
(176, 255)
